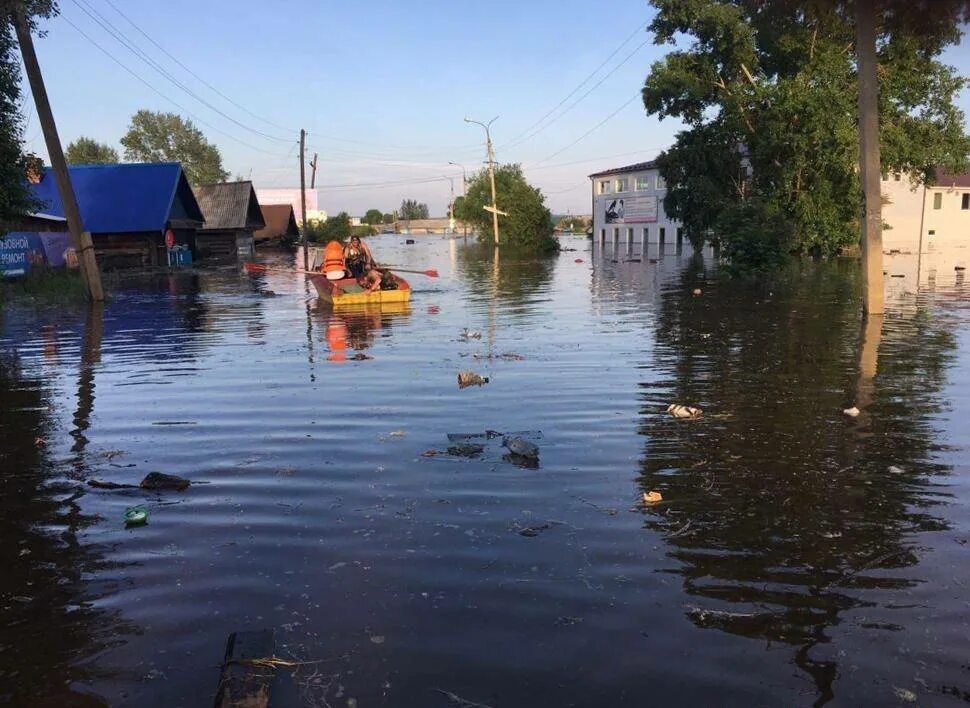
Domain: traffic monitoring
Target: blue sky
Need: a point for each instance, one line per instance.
(382, 88)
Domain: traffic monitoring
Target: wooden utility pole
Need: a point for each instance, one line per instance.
(303, 240)
(82, 239)
(869, 167)
(313, 172)
(491, 174)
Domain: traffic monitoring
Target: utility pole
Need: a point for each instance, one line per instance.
(491, 174)
(313, 172)
(869, 168)
(82, 239)
(451, 205)
(464, 193)
(306, 254)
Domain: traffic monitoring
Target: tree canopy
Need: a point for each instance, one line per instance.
(373, 216)
(768, 92)
(336, 228)
(86, 151)
(528, 224)
(412, 209)
(167, 137)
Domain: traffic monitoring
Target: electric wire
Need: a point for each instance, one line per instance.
(590, 131)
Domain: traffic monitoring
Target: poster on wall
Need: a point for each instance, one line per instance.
(20, 251)
(630, 210)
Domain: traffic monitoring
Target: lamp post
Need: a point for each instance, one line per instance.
(493, 208)
(451, 204)
(464, 193)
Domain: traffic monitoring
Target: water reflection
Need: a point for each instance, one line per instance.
(506, 276)
(350, 332)
(778, 520)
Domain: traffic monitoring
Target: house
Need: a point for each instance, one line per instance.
(129, 209)
(280, 225)
(232, 214)
(35, 240)
(628, 205)
(922, 218)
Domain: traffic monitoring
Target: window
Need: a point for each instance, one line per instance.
(938, 200)
(932, 232)
(680, 233)
(646, 234)
(662, 233)
(605, 187)
(603, 235)
(965, 204)
(643, 184)
(616, 235)
(897, 176)
(661, 182)
(629, 235)
(622, 185)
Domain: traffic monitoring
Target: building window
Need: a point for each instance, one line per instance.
(680, 233)
(603, 235)
(646, 234)
(605, 186)
(643, 184)
(661, 182)
(622, 185)
(938, 200)
(932, 232)
(965, 204)
(897, 176)
(662, 233)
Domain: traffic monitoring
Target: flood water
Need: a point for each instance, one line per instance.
(799, 556)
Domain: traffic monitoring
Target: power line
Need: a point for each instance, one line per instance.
(187, 69)
(581, 84)
(591, 130)
(108, 27)
(167, 98)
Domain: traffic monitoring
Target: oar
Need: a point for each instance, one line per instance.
(260, 268)
(430, 272)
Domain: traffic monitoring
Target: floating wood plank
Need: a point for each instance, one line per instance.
(249, 679)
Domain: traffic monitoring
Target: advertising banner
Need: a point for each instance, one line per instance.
(20, 251)
(628, 210)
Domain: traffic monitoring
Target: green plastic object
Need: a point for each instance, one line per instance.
(136, 516)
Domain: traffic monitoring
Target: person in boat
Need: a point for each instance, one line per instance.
(358, 258)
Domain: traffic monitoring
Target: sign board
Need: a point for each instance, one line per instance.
(22, 250)
(640, 209)
(169, 239)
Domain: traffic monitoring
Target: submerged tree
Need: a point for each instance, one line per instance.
(412, 209)
(528, 224)
(167, 137)
(86, 151)
(768, 162)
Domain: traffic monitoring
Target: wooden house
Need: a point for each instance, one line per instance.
(281, 227)
(128, 209)
(232, 214)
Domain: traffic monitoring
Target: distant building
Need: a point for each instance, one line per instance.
(628, 206)
(232, 214)
(128, 209)
(280, 225)
(925, 218)
(35, 240)
(291, 196)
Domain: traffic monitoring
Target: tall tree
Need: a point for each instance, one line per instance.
(167, 137)
(412, 209)
(15, 198)
(86, 151)
(373, 216)
(767, 90)
(528, 224)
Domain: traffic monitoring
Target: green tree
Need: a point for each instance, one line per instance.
(86, 151)
(335, 228)
(411, 209)
(15, 197)
(528, 224)
(389, 218)
(166, 137)
(768, 161)
(373, 216)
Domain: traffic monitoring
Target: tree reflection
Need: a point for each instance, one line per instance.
(774, 510)
(50, 625)
(514, 277)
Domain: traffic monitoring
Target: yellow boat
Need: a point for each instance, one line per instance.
(347, 291)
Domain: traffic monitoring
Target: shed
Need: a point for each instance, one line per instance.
(127, 208)
(232, 214)
(280, 225)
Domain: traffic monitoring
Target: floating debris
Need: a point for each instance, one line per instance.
(578, 260)
(136, 516)
(360, 356)
(522, 447)
(652, 497)
(470, 334)
(430, 453)
(471, 450)
(490, 434)
(852, 412)
(697, 291)
(397, 433)
(904, 694)
(99, 484)
(567, 621)
(533, 531)
(470, 378)
(160, 481)
(683, 412)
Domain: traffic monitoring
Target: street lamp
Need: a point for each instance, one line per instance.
(464, 193)
(493, 208)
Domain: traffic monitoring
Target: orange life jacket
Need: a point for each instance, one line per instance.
(333, 261)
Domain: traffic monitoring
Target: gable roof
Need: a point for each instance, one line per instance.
(229, 205)
(942, 178)
(280, 221)
(123, 198)
(652, 164)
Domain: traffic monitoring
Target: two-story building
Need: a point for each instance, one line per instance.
(923, 218)
(628, 206)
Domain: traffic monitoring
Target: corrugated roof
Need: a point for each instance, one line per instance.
(945, 179)
(123, 198)
(280, 221)
(652, 164)
(229, 205)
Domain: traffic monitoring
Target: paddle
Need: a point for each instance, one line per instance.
(430, 272)
(260, 268)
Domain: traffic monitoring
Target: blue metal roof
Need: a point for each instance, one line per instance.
(124, 198)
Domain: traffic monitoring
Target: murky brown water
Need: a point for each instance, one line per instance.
(799, 557)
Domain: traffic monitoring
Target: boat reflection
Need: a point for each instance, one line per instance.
(351, 331)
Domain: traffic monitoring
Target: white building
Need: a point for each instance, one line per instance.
(291, 196)
(628, 206)
(926, 218)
